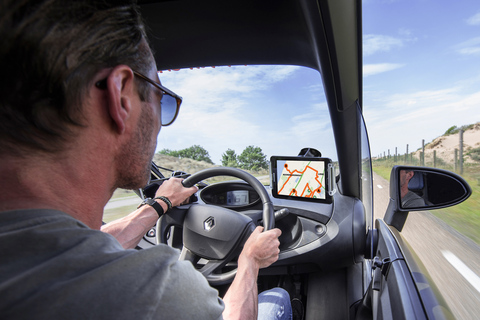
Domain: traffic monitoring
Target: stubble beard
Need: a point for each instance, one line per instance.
(136, 157)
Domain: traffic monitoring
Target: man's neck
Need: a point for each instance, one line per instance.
(55, 182)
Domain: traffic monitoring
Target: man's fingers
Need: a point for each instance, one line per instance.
(174, 190)
(258, 229)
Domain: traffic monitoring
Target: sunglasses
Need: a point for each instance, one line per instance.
(170, 103)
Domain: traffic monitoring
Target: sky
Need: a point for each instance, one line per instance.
(421, 76)
(421, 70)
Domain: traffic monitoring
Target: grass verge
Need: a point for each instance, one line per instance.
(465, 217)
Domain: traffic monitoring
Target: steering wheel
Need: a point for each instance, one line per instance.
(214, 233)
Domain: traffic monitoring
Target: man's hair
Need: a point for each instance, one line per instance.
(50, 52)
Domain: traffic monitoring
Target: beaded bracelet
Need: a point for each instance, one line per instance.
(166, 200)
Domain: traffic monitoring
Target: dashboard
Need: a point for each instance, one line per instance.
(308, 229)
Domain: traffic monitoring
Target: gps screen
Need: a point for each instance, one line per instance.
(300, 178)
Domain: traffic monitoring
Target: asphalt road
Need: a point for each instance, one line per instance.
(452, 260)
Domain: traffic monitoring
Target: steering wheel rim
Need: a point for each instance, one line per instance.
(174, 218)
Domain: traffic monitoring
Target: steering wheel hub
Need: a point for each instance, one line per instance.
(213, 233)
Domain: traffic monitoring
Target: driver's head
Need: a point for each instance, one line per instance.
(51, 50)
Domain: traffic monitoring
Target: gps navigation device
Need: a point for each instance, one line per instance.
(302, 178)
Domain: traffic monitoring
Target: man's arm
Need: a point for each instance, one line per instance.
(260, 251)
(130, 229)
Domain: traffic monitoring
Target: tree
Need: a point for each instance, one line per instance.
(194, 152)
(169, 152)
(252, 158)
(229, 159)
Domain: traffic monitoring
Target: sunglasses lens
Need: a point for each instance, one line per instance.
(169, 109)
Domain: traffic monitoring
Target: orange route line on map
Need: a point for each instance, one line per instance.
(307, 185)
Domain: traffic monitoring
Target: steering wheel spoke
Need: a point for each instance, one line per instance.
(173, 218)
(212, 269)
(210, 272)
(211, 266)
(188, 255)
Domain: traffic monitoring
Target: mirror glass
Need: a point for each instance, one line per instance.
(424, 189)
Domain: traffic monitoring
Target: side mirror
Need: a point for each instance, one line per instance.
(422, 188)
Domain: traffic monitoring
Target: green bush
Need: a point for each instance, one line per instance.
(451, 130)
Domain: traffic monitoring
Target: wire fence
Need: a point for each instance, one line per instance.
(430, 157)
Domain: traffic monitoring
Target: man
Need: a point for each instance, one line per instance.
(79, 116)
(409, 199)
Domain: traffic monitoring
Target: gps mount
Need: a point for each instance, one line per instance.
(310, 152)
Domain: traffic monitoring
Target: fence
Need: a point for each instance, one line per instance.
(431, 159)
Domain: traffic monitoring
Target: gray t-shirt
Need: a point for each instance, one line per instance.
(412, 200)
(55, 267)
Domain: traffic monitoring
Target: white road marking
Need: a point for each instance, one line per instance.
(379, 186)
(465, 271)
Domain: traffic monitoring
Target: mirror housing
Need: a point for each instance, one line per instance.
(422, 188)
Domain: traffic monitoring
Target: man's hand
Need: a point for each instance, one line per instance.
(174, 190)
(261, 248)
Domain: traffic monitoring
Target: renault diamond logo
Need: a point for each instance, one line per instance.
(209, 224)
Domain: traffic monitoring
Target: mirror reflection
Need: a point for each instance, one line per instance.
(429, 189)
(411, 188)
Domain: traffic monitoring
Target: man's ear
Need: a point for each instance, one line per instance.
(121, 91)
(410, 175)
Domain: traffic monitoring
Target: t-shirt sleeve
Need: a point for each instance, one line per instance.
(412, 200)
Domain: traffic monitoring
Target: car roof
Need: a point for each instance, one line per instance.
(324, 35)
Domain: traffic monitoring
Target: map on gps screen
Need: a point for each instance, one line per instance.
(304, 179)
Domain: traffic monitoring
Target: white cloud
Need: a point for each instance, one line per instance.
(372, 69)
(405, 32)
(373, 43)
(407, 118)
(469, 47)
(470, 51)
(474, 20)
(311, 128)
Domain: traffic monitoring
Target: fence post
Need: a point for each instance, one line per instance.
(434, 158)
(455, 161)
(406, 155)
(423, 153)
(395, 157)
(461, 152)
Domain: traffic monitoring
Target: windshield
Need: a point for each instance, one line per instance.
(230, 115)
(280, 109)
